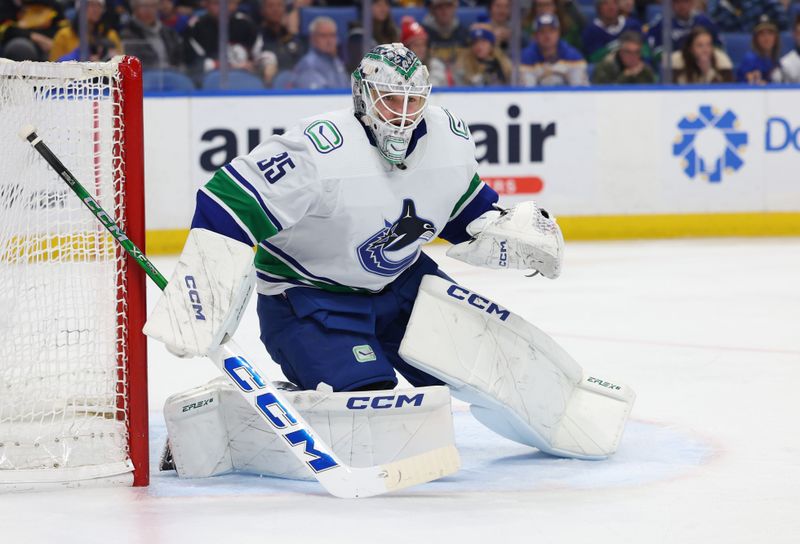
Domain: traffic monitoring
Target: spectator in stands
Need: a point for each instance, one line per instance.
(684, 18)
(744, 15)
(8, 13)
(202, 39)
(321, 68)
(625, 65)
(383, 28)
(104, 42)
(414, 36)
(482, 64)
(446, 35)
(288, 48)
(171, 16)
(699, 61)
(500, 21)
(760, 65)
(293, 17)
(627, 8)
(30, 36)
(549, 60)
(602, 35)
(790, 62)
(570, 19)
(145, 36)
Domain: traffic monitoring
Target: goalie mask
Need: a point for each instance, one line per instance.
(390, 93)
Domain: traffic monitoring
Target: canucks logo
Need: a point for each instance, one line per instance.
(394, 247)
(710, 144)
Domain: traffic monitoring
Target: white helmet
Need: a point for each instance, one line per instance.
(390, 93)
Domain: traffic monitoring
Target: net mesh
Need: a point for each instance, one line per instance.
(62, 284)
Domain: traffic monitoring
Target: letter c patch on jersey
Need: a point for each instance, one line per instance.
(324, 135)
(457, 126)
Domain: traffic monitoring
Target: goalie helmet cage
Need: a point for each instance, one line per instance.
(73, 385)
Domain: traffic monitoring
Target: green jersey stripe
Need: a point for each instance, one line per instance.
(242, 204)
(474, 187)
(269, 263)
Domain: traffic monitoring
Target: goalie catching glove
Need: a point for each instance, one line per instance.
(203, 302)
(523, 237)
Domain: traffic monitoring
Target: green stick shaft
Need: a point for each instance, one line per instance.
(107, 221)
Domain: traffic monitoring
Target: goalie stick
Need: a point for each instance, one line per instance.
(337, 478)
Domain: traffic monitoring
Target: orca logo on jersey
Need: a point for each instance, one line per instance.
(390, 250)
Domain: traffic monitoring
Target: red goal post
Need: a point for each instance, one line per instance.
(73, 359)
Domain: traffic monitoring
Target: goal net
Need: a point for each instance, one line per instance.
(73, 401)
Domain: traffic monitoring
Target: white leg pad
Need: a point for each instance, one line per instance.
(519, 381)
(212, 430)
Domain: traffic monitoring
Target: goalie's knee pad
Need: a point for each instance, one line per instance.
(520, 382)
(212, 430)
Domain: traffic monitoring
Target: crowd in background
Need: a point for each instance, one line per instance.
(295, 45)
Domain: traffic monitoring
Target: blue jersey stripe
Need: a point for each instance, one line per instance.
(288, 259)
(209, 215)
(456, 229)
(246, 184)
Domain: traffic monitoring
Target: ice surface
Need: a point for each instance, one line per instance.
(706, 331)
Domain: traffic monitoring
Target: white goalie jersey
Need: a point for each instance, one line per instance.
(326, 210)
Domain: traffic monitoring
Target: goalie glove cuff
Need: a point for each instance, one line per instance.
(523, 237)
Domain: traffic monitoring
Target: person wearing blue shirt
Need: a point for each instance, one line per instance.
(744, 15)
(321, 68)
(761, 65)
(549, 60)
(602, 35)
(684, 18)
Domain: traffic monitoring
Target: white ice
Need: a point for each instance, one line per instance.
(706, 331)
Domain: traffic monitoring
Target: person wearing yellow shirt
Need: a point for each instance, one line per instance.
(104, 42)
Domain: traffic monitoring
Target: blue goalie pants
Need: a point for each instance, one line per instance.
(349, 341)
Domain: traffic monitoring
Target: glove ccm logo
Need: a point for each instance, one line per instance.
(503, 260)
(194, 298)
(477, 301)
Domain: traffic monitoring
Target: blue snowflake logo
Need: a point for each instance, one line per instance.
(710, 144)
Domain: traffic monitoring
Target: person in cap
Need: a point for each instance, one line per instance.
(548, 60)
(104, 42)
(414, 36)
(570, 19)
(760, 65)
(484, 63)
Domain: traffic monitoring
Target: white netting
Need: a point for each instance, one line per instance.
(62, 289)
